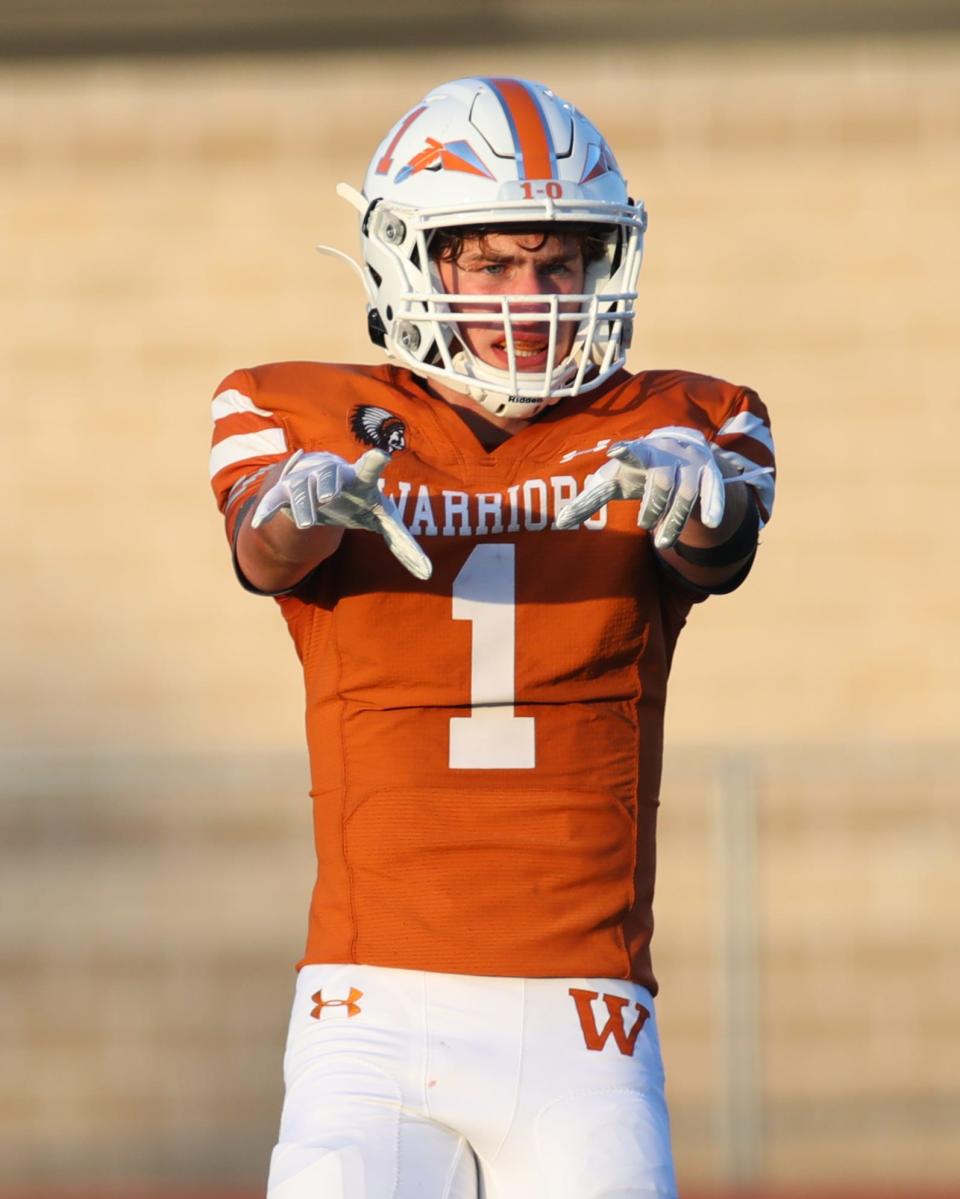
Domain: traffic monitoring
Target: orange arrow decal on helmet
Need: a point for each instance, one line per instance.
(449, 156)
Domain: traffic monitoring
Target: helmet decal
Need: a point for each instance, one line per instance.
(599, 160)
(454, 156)
(533, 144)
(386, 160)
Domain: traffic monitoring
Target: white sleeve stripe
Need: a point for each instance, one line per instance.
(747, 424)
(246, 445)
(229, 403)
(741, 461)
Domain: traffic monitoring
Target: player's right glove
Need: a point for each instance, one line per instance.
(324, 489)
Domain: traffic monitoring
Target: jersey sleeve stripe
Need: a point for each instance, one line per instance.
(240, 446)
(747, 424)
(241, 422)
(231, 401)
(755, 452)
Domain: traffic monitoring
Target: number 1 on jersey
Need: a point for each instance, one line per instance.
(492, 737)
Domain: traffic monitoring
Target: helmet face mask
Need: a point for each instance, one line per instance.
(462, 159)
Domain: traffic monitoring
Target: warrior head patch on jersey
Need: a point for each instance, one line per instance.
(379, 428)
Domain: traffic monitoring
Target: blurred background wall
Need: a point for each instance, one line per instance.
(164, 175)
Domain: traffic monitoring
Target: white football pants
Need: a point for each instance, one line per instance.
(410, 1085)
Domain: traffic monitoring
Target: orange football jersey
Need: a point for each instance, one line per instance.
(485, 746)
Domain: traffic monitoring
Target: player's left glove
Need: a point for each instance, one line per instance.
(669, 469)
(319, 488)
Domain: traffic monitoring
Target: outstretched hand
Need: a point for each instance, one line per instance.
(318, 488)
(669, 470)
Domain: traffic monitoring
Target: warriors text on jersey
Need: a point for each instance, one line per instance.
(485, 747)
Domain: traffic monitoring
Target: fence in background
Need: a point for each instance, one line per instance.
(151, 907)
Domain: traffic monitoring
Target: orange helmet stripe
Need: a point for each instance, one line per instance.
(535, 157)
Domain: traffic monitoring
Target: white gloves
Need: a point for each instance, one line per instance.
(324, 489)
(670, 469)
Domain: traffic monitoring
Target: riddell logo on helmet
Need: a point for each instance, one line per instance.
(350, 1003)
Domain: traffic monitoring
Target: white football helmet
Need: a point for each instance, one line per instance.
(494, 152)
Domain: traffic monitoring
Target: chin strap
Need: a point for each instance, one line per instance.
(471, 374)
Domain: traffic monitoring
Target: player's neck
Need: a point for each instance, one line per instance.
(489, 430)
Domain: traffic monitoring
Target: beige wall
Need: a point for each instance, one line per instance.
(156, 225)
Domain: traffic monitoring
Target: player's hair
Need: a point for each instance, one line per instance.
(447, 245)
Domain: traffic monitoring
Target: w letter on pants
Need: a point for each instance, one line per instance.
(615, 1025)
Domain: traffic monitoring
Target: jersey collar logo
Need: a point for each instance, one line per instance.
(378, 428)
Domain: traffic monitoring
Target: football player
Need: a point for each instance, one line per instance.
(485, 550)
